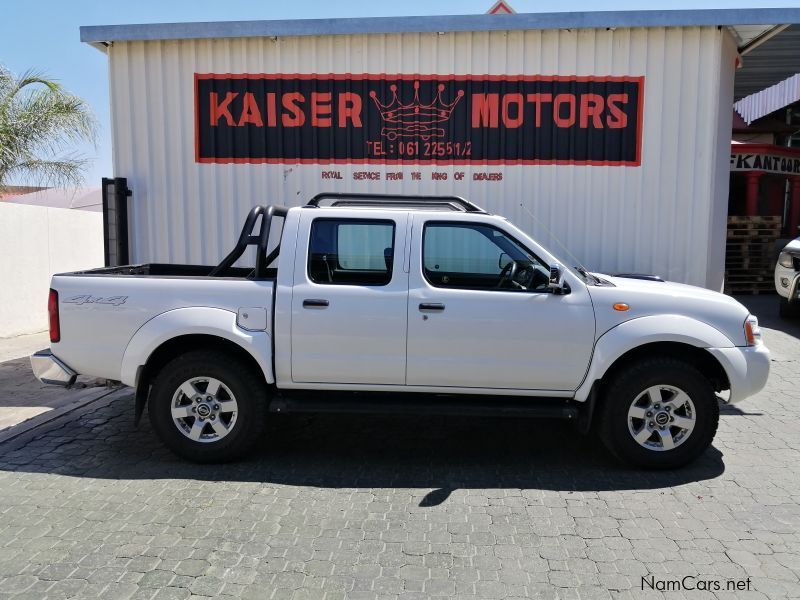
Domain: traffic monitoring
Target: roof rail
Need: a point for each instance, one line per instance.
(405, 201)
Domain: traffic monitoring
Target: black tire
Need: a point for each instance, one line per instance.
(629, 384)
(788, 310)
(247, 387)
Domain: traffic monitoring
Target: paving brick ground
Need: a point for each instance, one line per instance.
(376, 507)
(22, 397)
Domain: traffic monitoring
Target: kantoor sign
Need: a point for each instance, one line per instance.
(765, 158)
(418, 119)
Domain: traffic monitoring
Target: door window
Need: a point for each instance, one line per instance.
(351, 251)
(477, 256)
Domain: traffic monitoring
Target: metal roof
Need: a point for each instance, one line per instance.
(767, 101)
(101, 35)
(771, 62)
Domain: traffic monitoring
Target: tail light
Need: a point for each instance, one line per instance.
(52, 312)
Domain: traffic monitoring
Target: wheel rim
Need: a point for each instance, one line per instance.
(204, 409)
(661, 418)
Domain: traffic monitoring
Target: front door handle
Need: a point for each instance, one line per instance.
(315, 303)
(431, 306)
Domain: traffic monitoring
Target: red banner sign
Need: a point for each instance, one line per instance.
(418, 119)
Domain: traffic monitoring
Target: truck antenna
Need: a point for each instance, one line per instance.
(578, 264)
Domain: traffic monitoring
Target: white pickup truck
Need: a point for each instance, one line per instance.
(427, 305)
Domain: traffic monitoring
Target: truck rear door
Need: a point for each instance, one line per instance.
(349, 298)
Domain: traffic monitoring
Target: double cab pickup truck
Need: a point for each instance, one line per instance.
(423, 305)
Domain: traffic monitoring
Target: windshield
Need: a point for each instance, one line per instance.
(567, 259)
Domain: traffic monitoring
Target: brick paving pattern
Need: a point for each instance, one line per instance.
(22, 397)
(401, 508)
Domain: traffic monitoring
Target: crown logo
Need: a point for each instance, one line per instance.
(415, 118)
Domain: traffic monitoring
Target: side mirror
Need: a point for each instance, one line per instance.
(556, 283)
(503, 261)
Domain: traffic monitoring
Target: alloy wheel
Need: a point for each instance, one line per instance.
(204, 409)
(661, 418)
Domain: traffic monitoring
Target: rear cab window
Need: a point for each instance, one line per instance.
(351, 251)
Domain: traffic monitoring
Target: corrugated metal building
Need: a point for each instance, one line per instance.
(608, 131)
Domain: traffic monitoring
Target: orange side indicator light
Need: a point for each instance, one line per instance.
(621, 306)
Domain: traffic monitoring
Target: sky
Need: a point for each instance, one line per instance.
(44, 35)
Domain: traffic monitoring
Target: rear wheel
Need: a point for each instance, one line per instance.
(659, 413)
(207, 406)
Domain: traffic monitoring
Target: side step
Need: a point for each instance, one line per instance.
(419, 404)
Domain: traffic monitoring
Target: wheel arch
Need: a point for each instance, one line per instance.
(198, 320)
(177, 346)
(699, 357)
(663, 335)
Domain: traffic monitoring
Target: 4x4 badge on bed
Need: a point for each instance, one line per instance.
(89, 299)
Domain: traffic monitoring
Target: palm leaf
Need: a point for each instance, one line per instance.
(39, 122)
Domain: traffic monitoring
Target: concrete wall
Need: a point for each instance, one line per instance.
(35, 242)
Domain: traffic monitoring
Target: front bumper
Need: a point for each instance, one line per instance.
(50, 370)
(787, 283)
(794, 289)
(747, 368)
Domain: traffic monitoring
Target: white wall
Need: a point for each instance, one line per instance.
(35, 243)
(666, 216)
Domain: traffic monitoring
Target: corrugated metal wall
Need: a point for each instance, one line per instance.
(661, 217)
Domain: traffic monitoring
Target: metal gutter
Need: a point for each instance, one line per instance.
(767, 35)
(100, 35)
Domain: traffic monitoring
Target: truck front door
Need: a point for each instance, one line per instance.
(349, 299)
(480, 314)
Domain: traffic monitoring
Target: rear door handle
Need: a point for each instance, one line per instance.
(315, 303)
(431, 306)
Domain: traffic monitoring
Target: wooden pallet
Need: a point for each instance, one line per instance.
(740, 261)
(753, 233)
(749, 254)
(749, 245)
(736, 272)
(750, 240)
(767, 240)
(748, 257)
(763, 283)
(748, 290)
(748, 278)
(740, 220)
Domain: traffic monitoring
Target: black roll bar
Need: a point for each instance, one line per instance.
(246, 238)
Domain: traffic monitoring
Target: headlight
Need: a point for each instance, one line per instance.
(752, 332)
(785, 260)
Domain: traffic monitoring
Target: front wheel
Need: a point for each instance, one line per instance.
(207, 406)
(660, 413)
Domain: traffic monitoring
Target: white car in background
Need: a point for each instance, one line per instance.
(787, 279)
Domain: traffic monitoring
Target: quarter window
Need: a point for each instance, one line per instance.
(351, 251)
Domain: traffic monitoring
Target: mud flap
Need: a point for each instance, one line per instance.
(584, 422)
(142, 392)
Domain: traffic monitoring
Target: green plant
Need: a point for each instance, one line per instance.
(39, 122)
